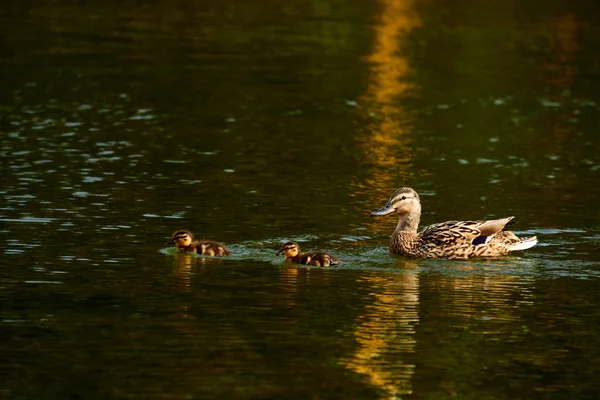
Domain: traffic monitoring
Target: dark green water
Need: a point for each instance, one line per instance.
(259, 122)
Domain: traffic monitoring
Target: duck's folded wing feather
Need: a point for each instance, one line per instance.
(451, 232)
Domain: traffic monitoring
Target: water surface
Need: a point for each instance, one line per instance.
(255, 124)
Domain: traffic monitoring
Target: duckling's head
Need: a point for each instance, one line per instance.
(403, 201)
(289, 249)
(181, 238)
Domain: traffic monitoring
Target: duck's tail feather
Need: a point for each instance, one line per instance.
(526, 243)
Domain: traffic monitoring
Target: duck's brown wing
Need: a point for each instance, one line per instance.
(452, 232)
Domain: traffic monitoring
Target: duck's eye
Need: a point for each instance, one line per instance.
(403, 198)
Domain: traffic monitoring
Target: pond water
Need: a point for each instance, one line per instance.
(255, 123)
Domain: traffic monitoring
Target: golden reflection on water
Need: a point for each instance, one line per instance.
(386, 138)
(385, 333)
(387, 327)
(560, 72)
(565, 30)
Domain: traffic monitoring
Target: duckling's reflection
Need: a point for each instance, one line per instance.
(182, 267)
(294, 277)
(187, 264)
(289, 284)
(385, 333)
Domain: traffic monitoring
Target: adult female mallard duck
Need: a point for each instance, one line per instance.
(291, 250)
(184, 240)
(451, 239)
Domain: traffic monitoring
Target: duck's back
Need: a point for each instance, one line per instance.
(317, 259)
(210, 248)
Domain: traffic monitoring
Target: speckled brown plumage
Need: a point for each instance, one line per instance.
(184, 240)
(291, 250)
(451, 239)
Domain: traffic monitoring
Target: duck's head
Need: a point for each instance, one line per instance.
(403, 201)
(181, 239)
(289, 249)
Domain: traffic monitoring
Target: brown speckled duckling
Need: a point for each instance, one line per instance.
(451, 239)
(291, 250)
(184, 240)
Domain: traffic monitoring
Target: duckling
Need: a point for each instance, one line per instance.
(184, 240)
(451, 239)
(291, 250)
